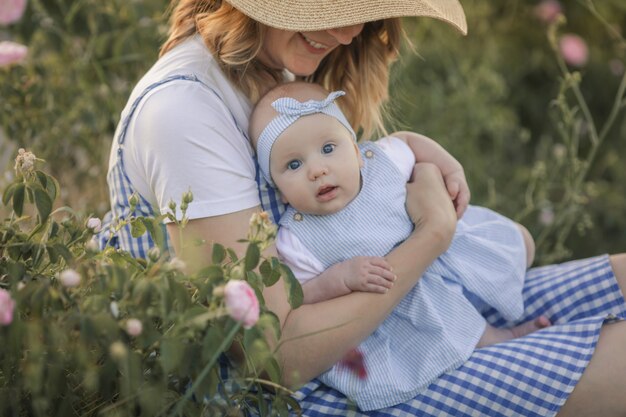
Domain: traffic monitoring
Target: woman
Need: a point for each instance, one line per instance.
(184, 128)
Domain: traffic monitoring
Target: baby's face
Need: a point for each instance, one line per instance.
(316, 165)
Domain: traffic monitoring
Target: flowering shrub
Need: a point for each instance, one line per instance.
(89, 332)
(537, 124)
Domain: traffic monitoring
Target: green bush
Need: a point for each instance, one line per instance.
(101, 333)
(525, 126)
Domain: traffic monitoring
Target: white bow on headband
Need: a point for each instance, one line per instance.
(289, 110)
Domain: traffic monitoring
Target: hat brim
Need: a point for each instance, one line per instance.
(311, 15)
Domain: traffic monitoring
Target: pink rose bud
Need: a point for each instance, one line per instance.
(7, 305)
(548, 10)
(11, 11)
(69, 278)
(134, 327)
(11, 53)
(574, 50)
(94, 224)
(353, 360)
(241, 302)
(546, 216)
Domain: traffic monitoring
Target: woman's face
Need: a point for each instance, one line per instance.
(302, 52)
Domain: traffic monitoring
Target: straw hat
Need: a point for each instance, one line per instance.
(311, 15)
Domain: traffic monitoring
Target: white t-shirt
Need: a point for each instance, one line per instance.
(291, 251)
(183, 136)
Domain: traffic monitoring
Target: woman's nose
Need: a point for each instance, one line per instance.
(344, 35)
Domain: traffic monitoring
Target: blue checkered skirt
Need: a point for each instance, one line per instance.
(529, 376)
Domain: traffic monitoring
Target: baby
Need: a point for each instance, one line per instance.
(347, 211)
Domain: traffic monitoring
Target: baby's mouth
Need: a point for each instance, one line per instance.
(325, 189)
(326, 192)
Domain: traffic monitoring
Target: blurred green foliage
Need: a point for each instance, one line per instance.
(491, 98)
(496, 99)
(70, 350)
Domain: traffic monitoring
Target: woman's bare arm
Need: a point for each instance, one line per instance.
(339, 324)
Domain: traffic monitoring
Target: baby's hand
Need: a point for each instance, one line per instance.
(459, 192)
(366, 273)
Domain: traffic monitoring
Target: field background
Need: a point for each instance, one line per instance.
(531, 131)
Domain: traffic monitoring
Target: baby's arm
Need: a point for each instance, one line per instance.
(362, 273)
(427, 150)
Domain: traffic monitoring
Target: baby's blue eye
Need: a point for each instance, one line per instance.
(328, 148)
(295, 164)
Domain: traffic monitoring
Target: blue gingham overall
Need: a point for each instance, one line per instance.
(121, 190)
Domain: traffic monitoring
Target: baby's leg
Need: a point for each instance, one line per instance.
(494, 335)
(529, 242)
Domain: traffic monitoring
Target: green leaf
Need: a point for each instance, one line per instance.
(265, 269)
(253, 255)
(211, 341)
(16, 270)
(9, 191)
(273, 370)
(270, 321)
(232, 255)
(43, 204)
(64, 252)
(219, 253)
(293, 287)
(172, 351)
(137, 227)
(54, 230)
(52, 187)
(53, 254)
(270, 275)
(212, 272)
(255, 282)
(254, 279)
(155, 229)
(43, 179)
(18, 199)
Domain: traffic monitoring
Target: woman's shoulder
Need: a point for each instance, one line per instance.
(188, 77)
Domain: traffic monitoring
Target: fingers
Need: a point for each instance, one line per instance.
(461, 202)
(459, 191)
(374, 274)
(453, 188)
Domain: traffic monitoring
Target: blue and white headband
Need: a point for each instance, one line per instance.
(289, 110)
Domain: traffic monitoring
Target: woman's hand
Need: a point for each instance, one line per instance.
(427, 150)
(429, 204)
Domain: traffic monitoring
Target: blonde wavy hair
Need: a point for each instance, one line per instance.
(361, 68)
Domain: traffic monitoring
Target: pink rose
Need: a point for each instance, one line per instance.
(241, 302)
(11, 11)
(7, 305)
(95, 224)
(11, 53)
(134, 327)
(574, 50)
(69, 278)
(548, 10)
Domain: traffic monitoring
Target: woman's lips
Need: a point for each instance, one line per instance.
(313, 46)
